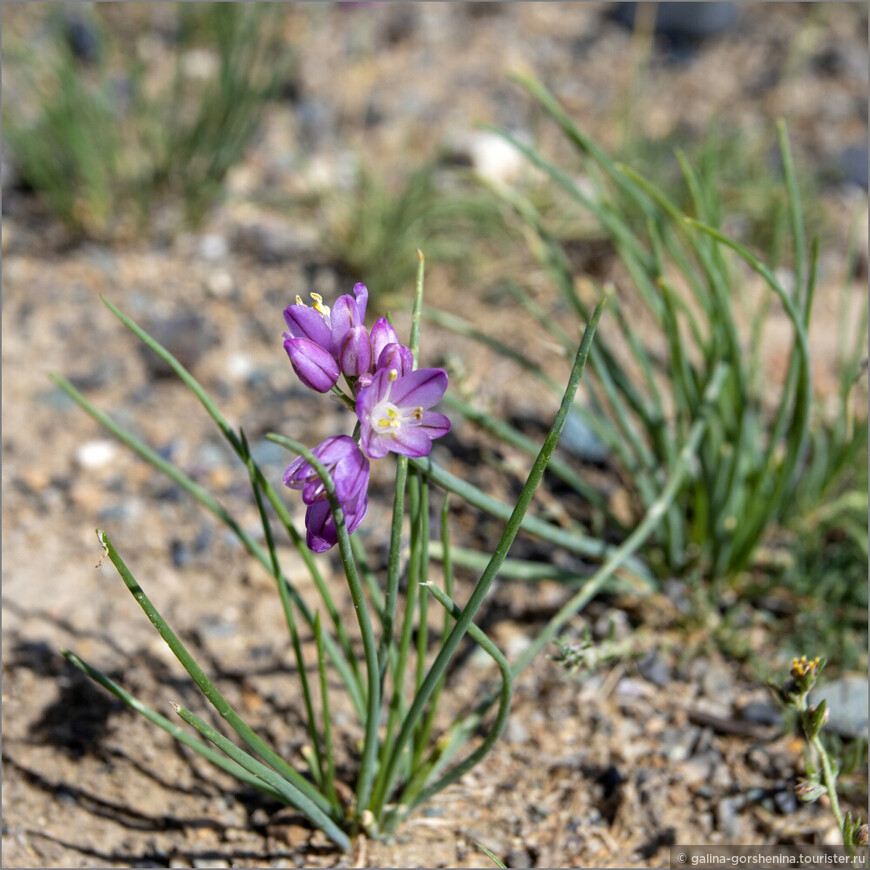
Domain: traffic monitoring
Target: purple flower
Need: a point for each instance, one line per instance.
(323, 342)
(350, 472)
(393, 412)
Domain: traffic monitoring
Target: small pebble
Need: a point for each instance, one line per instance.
(220, 284)
(762, 713)
(654, 669)
(96, 454)
(717, 682)
(515, 732)
(631, 688)
(213, 247)
(785, 800)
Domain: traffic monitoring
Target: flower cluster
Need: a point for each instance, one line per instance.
(392, 400)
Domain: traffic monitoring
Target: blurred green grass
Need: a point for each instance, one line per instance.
(105, 137)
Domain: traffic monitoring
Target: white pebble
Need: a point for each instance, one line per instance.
(213, 247)
(96, 454)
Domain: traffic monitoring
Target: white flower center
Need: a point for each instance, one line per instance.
(387, 418)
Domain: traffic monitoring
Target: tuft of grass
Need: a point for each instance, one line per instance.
(687, 296)
(377, 228)
(106, 139)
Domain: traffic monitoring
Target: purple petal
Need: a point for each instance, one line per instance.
(315, 367)
(420, 389)
(321, 533)
(369, 397)
(344, 317)
(363, 382)
(411, 441)
(362, 298)
(434, 424)
(335, 449)
(382, 334)
(396, 356)
(297, 473)
(355, 356)
(373, 446)
(355, 513)
(305, 322)
(351, 477)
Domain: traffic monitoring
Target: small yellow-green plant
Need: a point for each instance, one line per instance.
(822, 770)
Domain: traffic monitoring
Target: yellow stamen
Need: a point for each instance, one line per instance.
(299, 300)
(318, 303)
(392, 375)
(418, 413)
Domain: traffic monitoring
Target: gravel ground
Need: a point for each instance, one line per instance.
(677, 746)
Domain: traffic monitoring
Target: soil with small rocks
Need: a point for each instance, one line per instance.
(678, 745)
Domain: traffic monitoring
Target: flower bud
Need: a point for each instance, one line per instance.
(315, 367)
(382, 334)
(355, 355)
(398, 357)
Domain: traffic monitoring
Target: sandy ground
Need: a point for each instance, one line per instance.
(608, 770)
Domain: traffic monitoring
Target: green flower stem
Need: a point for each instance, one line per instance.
(394, 561)
(212, 694)
(830, 781)
(369, 578)
(447, 569)
(240, 449)
(287, 605)
(498, 557)
(828, 776)
(410, 800)
(207, 500)
(398, 673)
(423, 618)
(171, 728)
(416, 312)
(373, 699)
(350, 660)
(291, 795)
(572, 541)
(329, 773)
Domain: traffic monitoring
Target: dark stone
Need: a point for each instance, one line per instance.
(655, 670)
(761, 712)
(518, 858)
(852, 165)
(685, 20)
(579, 439)
(180, 553)
(273, 243)
(266, 452)
(82, 40)
(186, 336)
(785, 801)
(95, 378)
